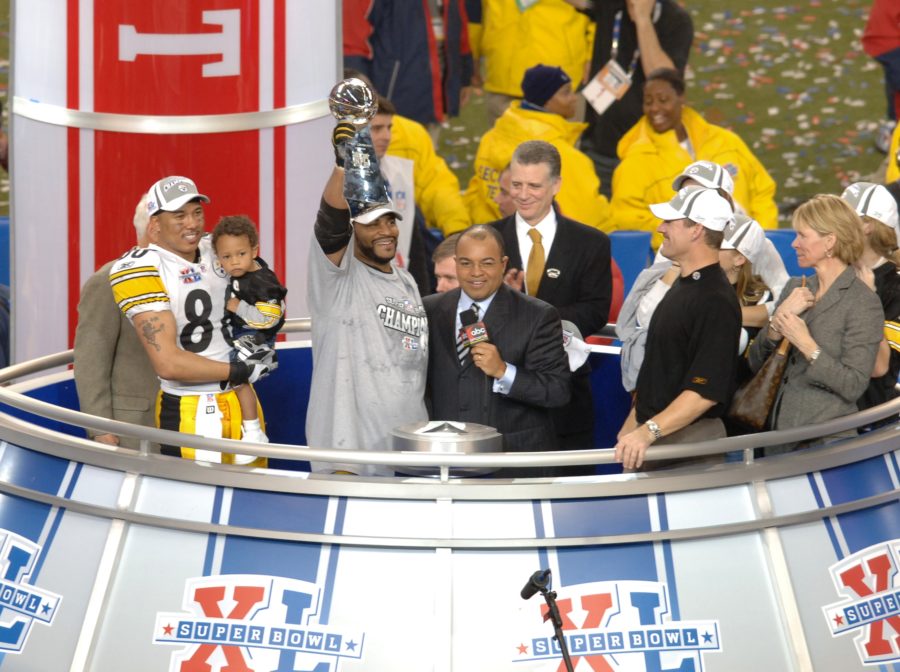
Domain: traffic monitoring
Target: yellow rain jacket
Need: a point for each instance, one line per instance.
(651, 161)
(893, 168)
(511, 40)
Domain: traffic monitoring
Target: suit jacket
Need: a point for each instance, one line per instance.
(847, 324)
(578, 283)
(113, 375)
(527, 333)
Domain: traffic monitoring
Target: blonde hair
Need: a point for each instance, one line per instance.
(750, 288)
(829, 214)
(883, 240)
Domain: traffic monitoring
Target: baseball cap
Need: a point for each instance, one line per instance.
(541, 83)
(746, 236)
(376, 211)
(699, 204)
(171, 193)
(874, 201)
(707, 173)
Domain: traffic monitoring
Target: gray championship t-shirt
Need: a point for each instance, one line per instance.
(370, 356)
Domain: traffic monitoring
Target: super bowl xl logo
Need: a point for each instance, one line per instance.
(871, 608)
(621, 625)
(21, 604)
(252, 623)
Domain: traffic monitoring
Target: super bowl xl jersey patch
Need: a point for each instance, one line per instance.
(153, 279)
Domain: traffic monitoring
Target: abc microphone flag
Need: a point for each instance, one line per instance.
(475, 333)
(472, 331)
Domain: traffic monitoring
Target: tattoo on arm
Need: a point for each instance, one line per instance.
(150, 328)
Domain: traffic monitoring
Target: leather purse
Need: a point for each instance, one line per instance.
(752, 402)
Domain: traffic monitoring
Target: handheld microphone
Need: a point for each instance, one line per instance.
(467, 317)
(473, 330)
(538, 581)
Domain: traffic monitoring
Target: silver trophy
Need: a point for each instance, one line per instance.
(364, 188)
(351, 100)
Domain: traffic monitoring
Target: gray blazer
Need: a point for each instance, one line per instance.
(113, 375)
(847, 324)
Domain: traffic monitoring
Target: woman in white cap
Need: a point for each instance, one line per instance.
(667, 138)
(878, 211)
(834, 324)
(739, 255)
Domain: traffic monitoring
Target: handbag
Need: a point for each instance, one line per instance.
(752, 402)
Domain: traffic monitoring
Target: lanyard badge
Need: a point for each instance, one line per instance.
(613, 81)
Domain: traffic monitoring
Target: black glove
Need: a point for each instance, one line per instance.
(238, 374)
(343, 132)
(255, 361)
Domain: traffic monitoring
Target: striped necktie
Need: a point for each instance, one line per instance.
(462, 349)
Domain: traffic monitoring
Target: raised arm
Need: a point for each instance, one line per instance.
(653, 56)
(332, 226)
(333, 220)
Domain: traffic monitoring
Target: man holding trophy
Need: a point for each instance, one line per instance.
(369, 330)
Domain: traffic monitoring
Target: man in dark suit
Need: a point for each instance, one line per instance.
(511, 380)
(562, 262)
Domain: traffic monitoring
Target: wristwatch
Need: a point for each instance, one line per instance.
(814, 355)
(654, 430)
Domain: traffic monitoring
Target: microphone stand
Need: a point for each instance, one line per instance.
(553, 615)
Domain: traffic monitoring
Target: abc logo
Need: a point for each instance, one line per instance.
(475, 332)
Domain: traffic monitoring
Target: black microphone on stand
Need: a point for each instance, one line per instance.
(538, 581)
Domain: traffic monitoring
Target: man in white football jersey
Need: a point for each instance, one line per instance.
(173, 292)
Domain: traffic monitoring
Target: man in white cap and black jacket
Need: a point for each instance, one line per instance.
(687, 376)
(769, 266)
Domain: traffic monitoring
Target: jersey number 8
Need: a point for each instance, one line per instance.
(197, 320)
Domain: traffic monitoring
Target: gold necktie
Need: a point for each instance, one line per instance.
(535, 263)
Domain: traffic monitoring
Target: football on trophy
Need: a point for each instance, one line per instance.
(351, 100)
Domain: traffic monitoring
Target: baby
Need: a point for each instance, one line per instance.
(254, 303)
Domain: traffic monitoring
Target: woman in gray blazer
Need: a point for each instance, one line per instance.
(834, 324)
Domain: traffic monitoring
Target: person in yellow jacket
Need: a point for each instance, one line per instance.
(667, 138)
(543, 115)
(514, 35)
(436, 188)
(893, 167)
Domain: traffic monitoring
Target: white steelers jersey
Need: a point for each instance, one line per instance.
(153, 279)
